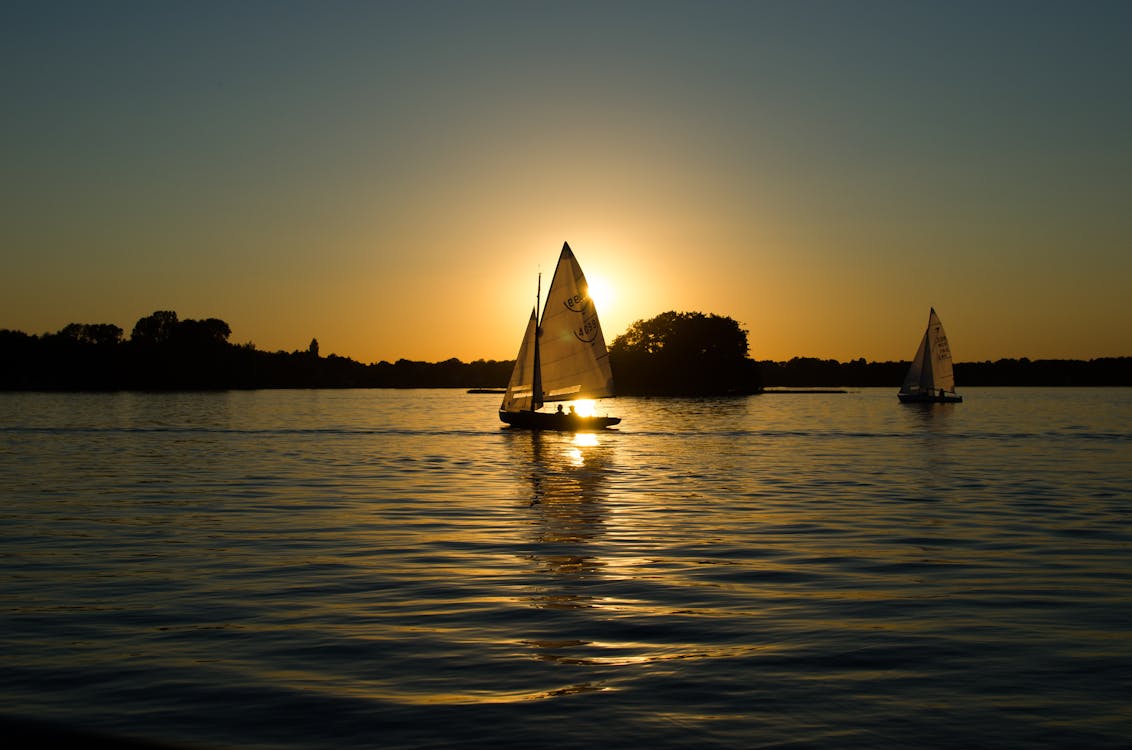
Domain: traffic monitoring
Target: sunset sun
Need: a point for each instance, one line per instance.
(600, 292)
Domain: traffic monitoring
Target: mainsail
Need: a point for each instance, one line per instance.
(931, 369)
(563, 356)
(575, 362)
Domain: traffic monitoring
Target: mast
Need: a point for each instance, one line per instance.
(536, 387)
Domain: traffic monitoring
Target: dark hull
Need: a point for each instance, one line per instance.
(928, 398)
(538, 420)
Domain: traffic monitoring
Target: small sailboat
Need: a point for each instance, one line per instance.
(931, 378)
(562, 357)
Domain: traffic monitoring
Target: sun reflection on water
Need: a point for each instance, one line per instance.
(575, 454)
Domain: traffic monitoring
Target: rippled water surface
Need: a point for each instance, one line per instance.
(366, 568)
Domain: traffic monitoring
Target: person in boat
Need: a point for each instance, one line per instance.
(573, 411)
(941, 393)
(558, 411)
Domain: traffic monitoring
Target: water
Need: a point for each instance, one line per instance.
(355, 569)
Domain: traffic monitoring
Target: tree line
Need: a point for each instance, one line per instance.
(164, 352)
(675, 353)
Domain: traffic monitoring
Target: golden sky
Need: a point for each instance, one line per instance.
(390, 178)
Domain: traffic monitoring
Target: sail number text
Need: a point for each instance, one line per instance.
(577, 303)
(589, 330)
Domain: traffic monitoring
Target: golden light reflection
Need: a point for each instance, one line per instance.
(486, 696)
(628, 653)
(585, 439)
(575, 454)
(567, 473)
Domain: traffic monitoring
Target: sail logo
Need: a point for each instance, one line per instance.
(941, 344)
(588, 331)
(576, 303)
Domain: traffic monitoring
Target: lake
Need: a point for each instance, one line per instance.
(395, 569)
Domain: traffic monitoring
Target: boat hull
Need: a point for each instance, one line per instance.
(538, 420)
(929, 398)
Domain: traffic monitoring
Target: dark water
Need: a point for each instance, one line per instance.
(353, 569)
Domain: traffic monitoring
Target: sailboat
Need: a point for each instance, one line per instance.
(930, 378)
(562, 357)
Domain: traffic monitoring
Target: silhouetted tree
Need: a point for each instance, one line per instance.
(684, 354)
(200, 334)
(154, 329)
(98, 334)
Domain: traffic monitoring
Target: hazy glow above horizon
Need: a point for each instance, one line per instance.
(391, 178)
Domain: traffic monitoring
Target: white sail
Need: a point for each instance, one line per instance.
(573, 356)
(524, 392)
(931, 369)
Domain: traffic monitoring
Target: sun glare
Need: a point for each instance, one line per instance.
(585, 407)
(600, 292)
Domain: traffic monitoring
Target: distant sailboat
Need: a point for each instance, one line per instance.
(931, 378)
(562, 357)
